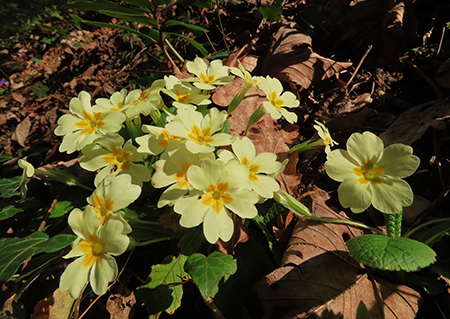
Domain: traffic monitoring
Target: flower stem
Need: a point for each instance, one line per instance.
(346, 222)
(156, 240)
(394, 224)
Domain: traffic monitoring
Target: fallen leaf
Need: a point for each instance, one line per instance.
(443, 74)
(18, 97)
(412, 124)
(22, 131)
(318, 278)
(119, 306)
(393, 33)
(62, 304)
(291, 59)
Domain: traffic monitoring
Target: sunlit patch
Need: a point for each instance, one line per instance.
(91, 123)
(216, 196)
(201, 137)
(369, 173)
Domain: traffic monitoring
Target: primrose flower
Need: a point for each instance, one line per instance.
(208, 77)
(28, 171)
(109, 155)
(372, 174)
(325, 136)
(198, 132)
(244, 74)
(184, 94)
(84, 125)
(95, 248)
(218, 189)
(276, 100)
(113, 194)
(146, 101)
(119, 101)
(156, 141)
(261, 166)
(171, 170)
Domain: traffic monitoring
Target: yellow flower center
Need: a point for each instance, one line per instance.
(166, 138)
(201, 137)
(183, 98)
(103, 208)
(91, 123)
(216, 196)
(207, 79)
(118, 159)
(275, 101)
(144, 95)
(94, 248)
(180, 176)
(369, 173)
(254, 168)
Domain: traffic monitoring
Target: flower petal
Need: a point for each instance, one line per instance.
(365, 146)
(243, 203)
(398, 161)
(391, 195)
(355, 195)
(103, 273)
(75, 278)
(218, 225)
(192, 211)
(340, 165)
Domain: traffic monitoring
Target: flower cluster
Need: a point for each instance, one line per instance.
(101, 232)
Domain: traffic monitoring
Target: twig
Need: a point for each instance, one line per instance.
(359, 64)
(109, 287)
(211, 305)
(440, 42)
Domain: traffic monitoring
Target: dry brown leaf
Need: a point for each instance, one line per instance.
(61, 305)
(22, 131)
(119, 305)
(319, 279)
(291, 59)
(443, 74)
(412, 124)
(393, 33)
(241, 234)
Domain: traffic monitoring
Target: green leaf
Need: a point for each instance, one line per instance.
(61, 208)
(192, 239)
(197, 45)
(152, 37)
(41, 91)
(362, 312)
(186, 25)
(391, 253)
(271, 13)
(9, 211)
(164, 291)
(139, 3)
(15, 251)
(160, 2)
(8, 186)
(101, 5)
(207, 272)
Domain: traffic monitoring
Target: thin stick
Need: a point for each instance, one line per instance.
(359, 64)
(98, 297)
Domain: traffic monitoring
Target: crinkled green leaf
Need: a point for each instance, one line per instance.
(271, 13)
(61, 208)
(164, 291)
(140, 3)
(101, 5)
(186, 25)
(207, 272)
(9, 211)
(391, 253)
(8, 186)
(131, 17)
(15, 251)
(192, 239)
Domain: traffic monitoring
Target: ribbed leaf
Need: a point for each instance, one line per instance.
(390, 253)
